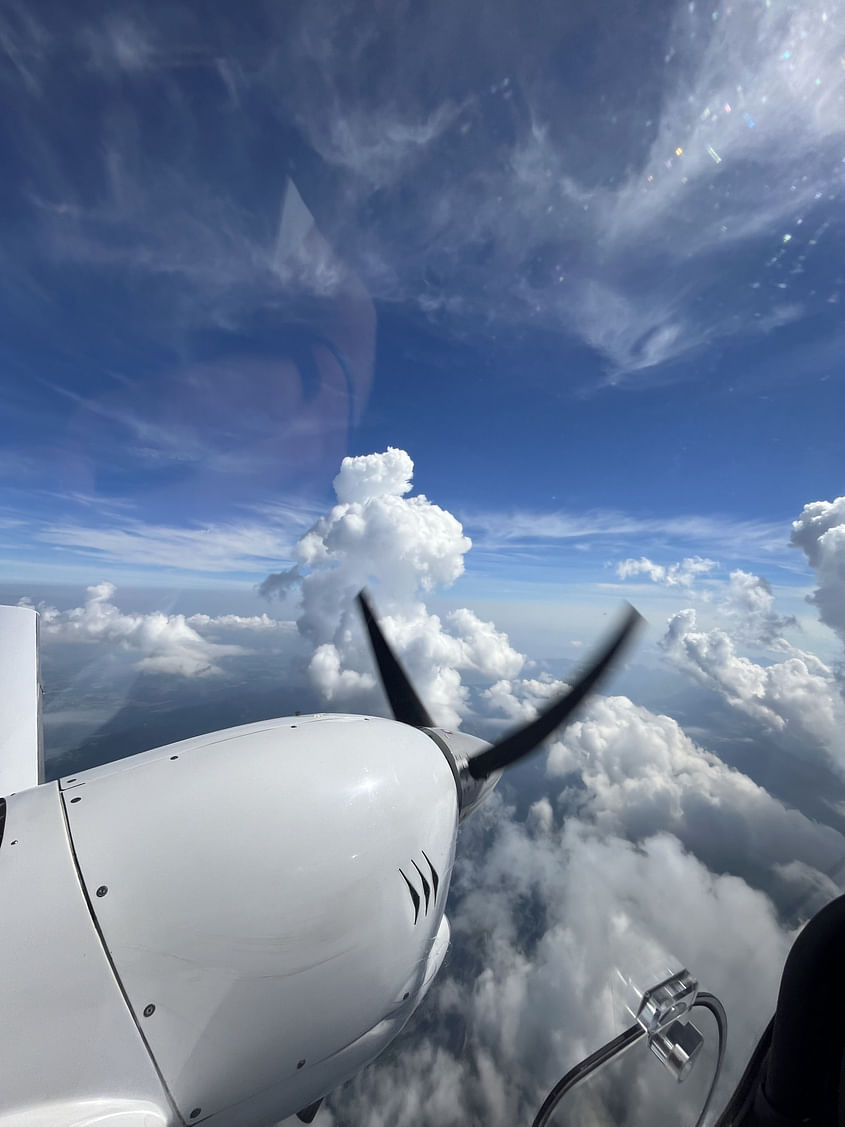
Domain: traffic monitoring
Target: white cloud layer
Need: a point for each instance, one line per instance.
(650, 857)
(638, 773)
(647, 850)
(163, 643)
(548, 915)
(620, 870)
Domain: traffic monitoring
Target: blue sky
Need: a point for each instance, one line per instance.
(549, 308)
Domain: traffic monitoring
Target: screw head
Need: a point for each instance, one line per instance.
(77, 799)
(300, 1063)
(174, 756)
(197, 1111)
(71, 780)
(149, 1010)
(406, 996)
(102, 890)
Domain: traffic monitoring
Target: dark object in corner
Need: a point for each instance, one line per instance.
(307, 1114)
(796, 1074)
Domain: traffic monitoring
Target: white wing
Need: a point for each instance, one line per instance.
(21, 747)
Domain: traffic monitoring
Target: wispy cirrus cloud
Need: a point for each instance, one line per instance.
(711, 175)
(507, 531)
(259, 545)
(728, 146)
(223, 548)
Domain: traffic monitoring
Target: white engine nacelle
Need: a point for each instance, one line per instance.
(224, 929)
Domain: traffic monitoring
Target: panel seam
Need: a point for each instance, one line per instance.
(110, 961)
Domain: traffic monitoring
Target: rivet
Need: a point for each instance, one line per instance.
(405, 996)
(149, 1010)
(174, 756)
(102, 890)
(300, 1063)
(77, 799)
(197, 1111)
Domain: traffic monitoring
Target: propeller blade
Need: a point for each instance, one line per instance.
(406, 705)
(525, 740)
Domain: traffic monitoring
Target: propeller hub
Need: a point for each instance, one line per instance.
(459, 748)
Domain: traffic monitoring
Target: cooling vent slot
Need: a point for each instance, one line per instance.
(422, 889)
(425, 884)
(435, 879)
(2, 818)
(415, 897)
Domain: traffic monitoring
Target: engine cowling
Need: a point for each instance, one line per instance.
(271, 898)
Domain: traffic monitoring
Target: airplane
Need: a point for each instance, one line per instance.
(225, 929)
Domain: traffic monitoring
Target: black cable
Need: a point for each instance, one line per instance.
(624, 1041)
(581, 1071)
(711, 1002)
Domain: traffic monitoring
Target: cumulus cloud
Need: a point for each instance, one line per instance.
(549, 918)
(634, 773)
(279, 583)
(639, 773)
(162, 643)
(749, 603)
(647, 859)
(404, 546)
(333, 681)
(798, 696)
(820, 533)
(681, 574)
(521, 700)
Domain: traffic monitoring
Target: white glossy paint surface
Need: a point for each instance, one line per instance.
(20, 701)
(91, 1113)
(67, 1037)
(255, 899)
